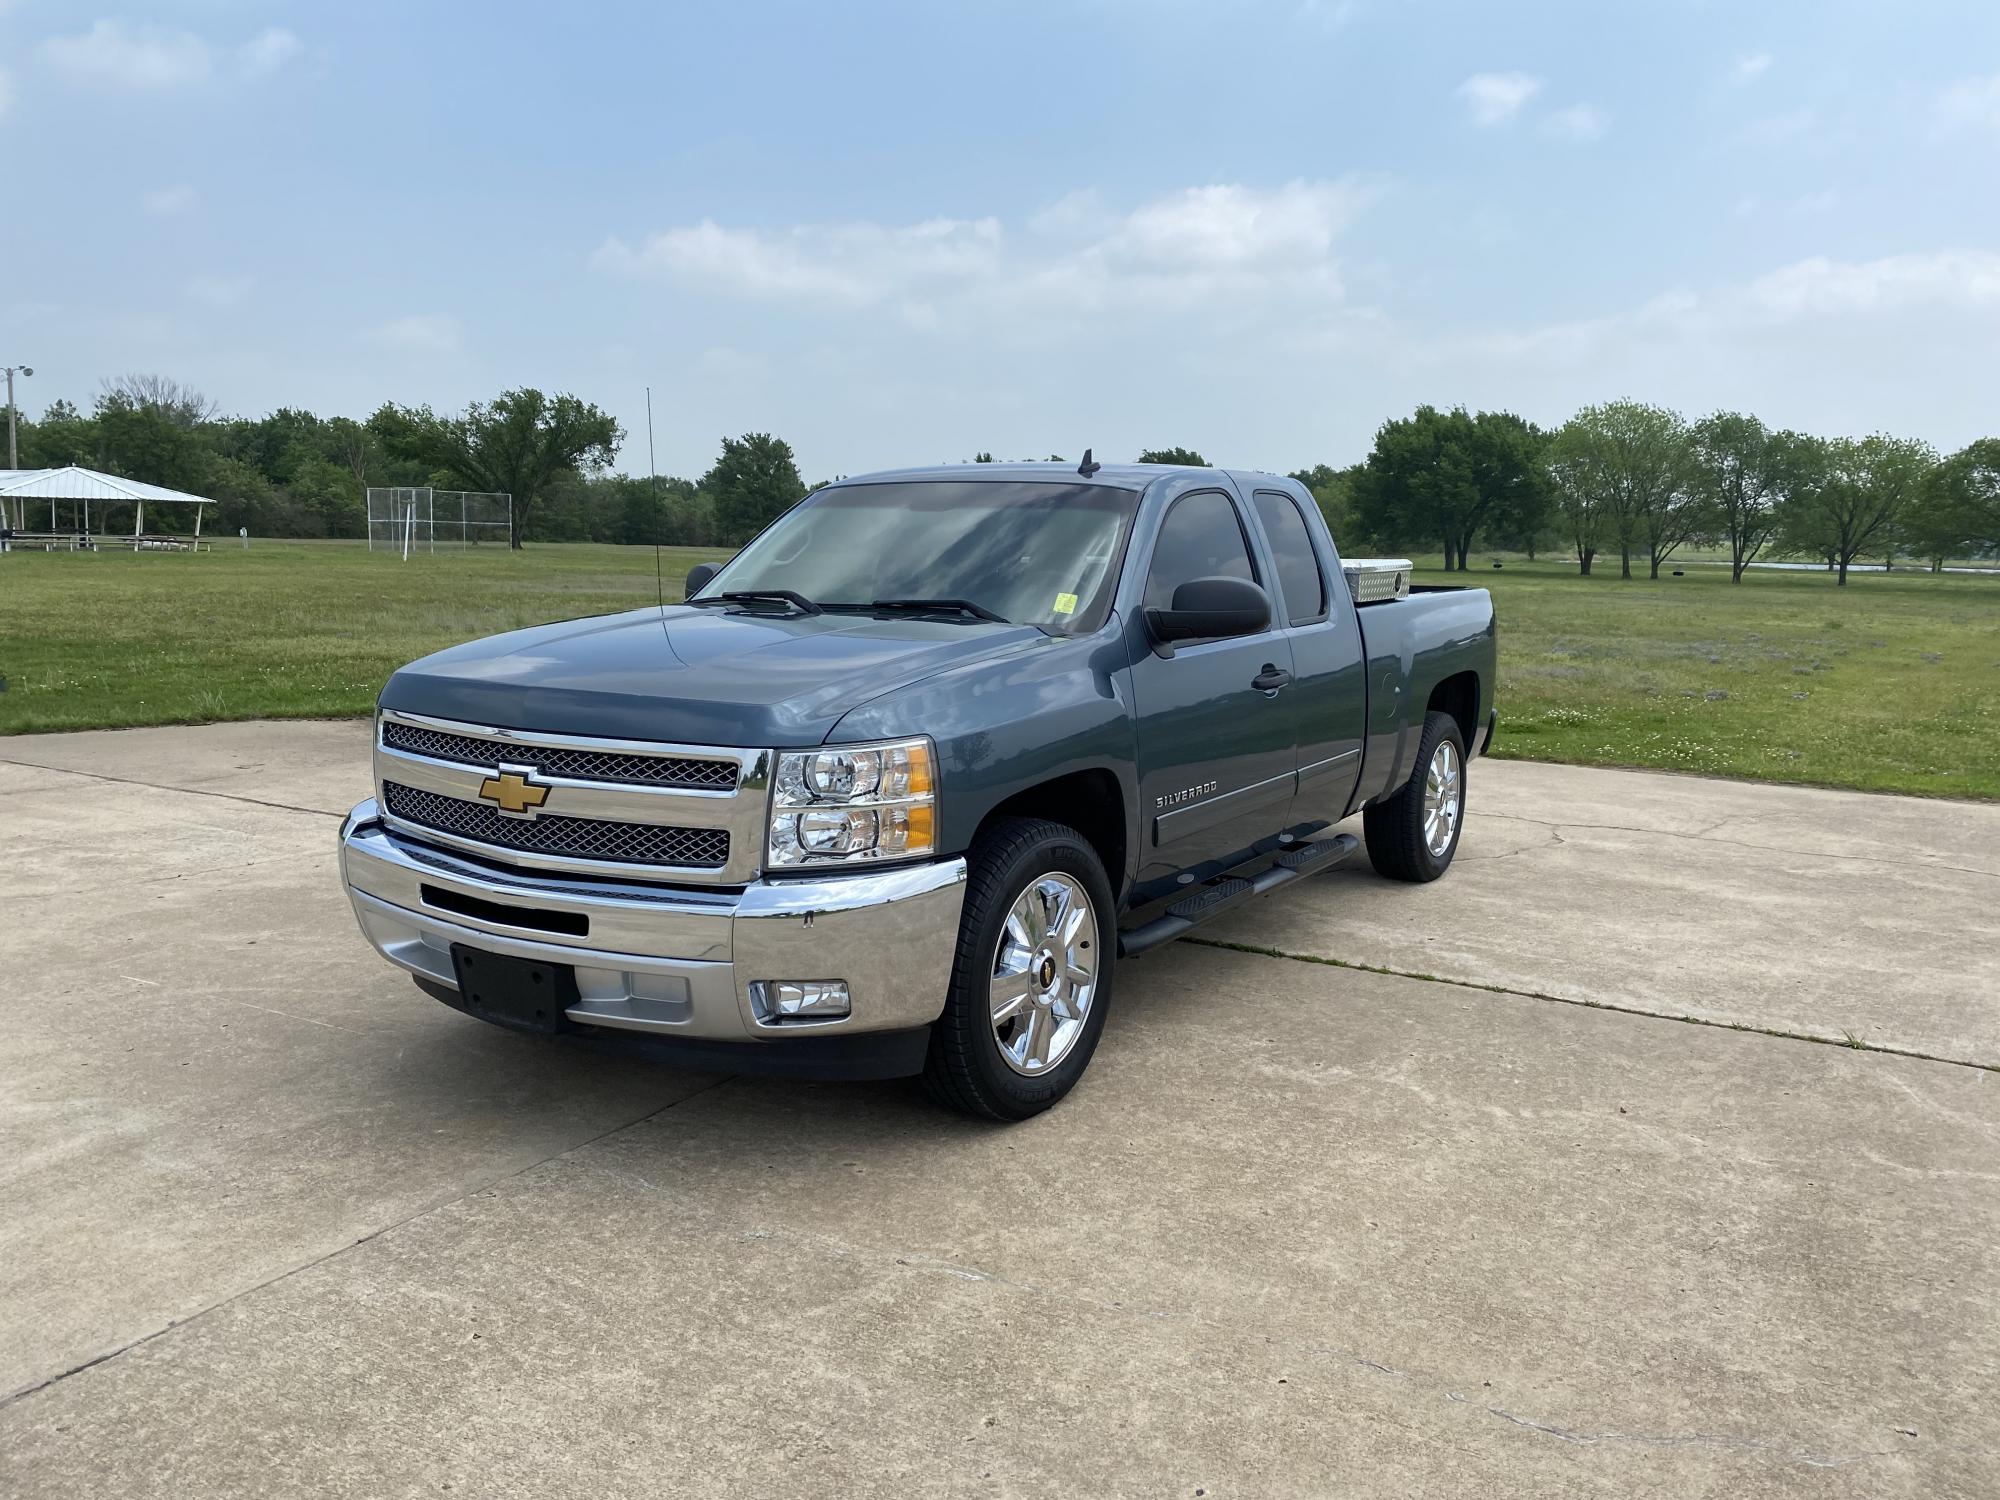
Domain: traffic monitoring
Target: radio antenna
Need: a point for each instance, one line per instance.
(653, 478)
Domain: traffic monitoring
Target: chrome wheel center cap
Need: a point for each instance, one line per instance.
(1044, 973)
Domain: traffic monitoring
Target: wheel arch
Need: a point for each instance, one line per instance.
(1093, 802)
(1458, 695)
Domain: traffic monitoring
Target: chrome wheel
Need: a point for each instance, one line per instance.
(1444, 791)
(1044, 974)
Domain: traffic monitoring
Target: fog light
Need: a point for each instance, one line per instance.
(800, 999)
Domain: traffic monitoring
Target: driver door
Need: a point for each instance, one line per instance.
(1218, 757)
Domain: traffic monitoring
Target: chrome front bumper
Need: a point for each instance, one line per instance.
(668, 961)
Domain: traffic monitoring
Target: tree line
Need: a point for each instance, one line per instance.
(1639, 482)
(296, 474)
(1623, 478)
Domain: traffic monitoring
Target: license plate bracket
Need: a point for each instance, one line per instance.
(524, 994)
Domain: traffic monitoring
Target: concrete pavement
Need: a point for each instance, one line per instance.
(279, 1225)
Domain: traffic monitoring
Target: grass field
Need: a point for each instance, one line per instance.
(282, 630)
(1890, 684)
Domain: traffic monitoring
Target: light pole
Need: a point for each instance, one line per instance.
(13, 452)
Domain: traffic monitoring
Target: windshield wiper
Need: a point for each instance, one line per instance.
(798, 602)
(937, 607)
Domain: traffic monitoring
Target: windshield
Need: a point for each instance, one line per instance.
(1032, 553)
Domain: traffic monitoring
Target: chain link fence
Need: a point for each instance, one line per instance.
(418, 519)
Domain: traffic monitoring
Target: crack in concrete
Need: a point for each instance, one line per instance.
(1556, 841)
(425, 1210)
(1706, 836)
(1693, 1440)
(1438, 1385)
(247, 864)
(160, 786)
(1844, 1042)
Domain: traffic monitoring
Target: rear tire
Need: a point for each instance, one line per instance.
(1031, 981)
(1413, 835)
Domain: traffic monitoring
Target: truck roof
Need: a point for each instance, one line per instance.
(1117, 476)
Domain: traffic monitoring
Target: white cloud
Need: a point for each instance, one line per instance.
(855, 264)
(168, 201)
(267, 52)
(219, 291)
(114, 55)
(1967, 280)
(1223, 246)
(1749, 66)
(1816, 297)
(1901, 343)
(427, 333)
(1081, 211)
(1495, 98)
(1971, 104)
(1579, 122)
(1230, 226)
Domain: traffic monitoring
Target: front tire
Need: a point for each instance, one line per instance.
(1031, 981)
(1413, 835)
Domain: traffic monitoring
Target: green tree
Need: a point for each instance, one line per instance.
(1581, 491)
(1626, 472)
(1977, 470)
(1185, 457)
(754, 482)
(1446, 475)
(1958, 509)
(1849, 495)
(61, 435)
(516, 444)
(174, 400)
(1938, 523)
(1333, 491)
(151, 443)
(1510, 467)
(1739, 474)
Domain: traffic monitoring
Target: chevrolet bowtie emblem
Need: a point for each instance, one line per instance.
(512, 792)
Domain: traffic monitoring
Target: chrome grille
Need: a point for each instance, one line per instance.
(575, 838)
(682, 772)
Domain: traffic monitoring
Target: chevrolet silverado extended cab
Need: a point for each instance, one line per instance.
(894, 790)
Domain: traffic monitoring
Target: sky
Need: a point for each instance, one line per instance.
(905, 233)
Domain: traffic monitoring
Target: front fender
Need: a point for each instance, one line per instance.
(1005, 726)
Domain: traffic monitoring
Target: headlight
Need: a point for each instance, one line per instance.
(848, 804)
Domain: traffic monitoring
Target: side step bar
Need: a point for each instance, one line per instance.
(1218, 896)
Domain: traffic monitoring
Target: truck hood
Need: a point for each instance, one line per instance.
(705, 676)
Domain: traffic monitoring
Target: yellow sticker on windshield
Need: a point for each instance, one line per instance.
(1065, 604)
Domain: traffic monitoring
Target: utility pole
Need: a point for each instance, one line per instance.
(13, 449)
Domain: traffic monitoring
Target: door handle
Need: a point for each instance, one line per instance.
(1270, 679)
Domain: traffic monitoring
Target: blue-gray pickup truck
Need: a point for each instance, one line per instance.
(898, 786)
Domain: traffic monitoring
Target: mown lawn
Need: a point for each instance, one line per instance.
(282, 630)
(1890, 684)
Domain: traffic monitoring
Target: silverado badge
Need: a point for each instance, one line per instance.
(513, 792)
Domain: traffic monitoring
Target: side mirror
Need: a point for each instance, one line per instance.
(1208, 608)
(698, 577)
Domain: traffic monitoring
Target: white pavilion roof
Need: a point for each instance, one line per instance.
(74, 483)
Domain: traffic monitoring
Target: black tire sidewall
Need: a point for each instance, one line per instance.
(1053, 849)
(1437, 729)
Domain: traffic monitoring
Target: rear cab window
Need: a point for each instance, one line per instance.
(1301, 579)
